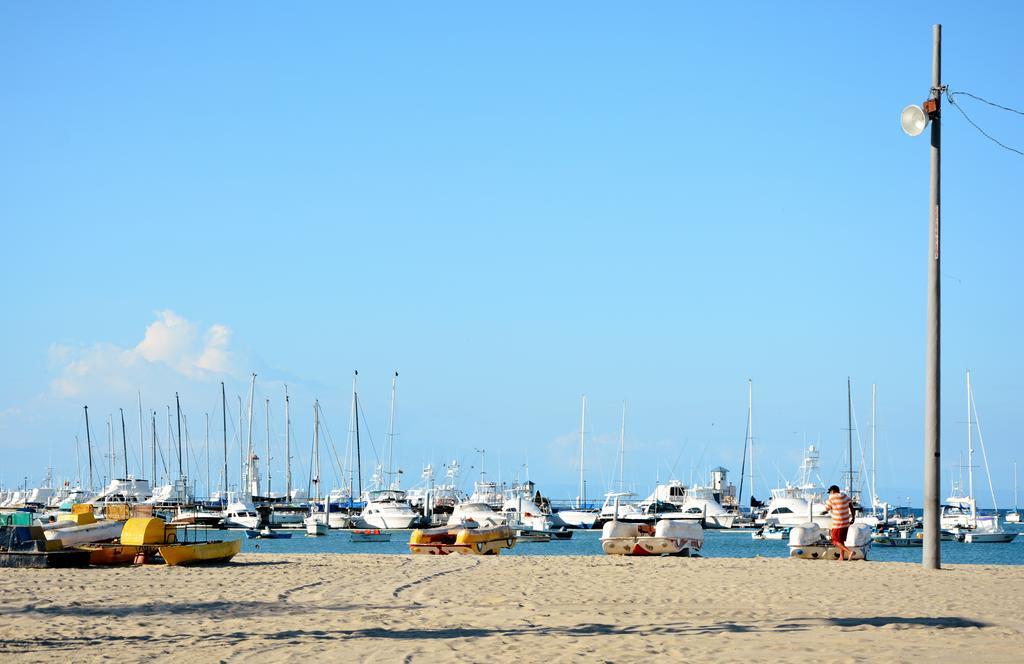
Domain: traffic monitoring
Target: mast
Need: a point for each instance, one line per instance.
(88, 443)
(224, 414)
(581, 498)
(177, 406)
(970, 452)
(124, 444)
(750, 435)
(268, 447)
(287, 448)
(849, 436)
(622, 449)
(316, 447)
(874, 455)
(249, 450)
(170, 444)
(153, 449)
(111, 456)
(206, 444)
(241, 450)
(142, 442)
(391, 433)
(355, 415)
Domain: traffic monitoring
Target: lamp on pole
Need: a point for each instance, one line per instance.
(914, 119)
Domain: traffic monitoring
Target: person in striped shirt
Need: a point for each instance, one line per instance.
(838, 505)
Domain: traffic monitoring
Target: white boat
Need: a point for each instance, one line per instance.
(387, 508)
(794, 505)
(480, 514)
(691, 503)
(241, 515)
(615, 508)
(522, 511)
(770, 532)
(316, 526)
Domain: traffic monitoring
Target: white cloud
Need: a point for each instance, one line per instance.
(171, 348)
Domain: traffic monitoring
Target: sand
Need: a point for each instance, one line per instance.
(334, 608)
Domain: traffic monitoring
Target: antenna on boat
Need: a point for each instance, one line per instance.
(224, 421)
(287, 448)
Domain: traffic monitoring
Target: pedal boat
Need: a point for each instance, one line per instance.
(472, 541)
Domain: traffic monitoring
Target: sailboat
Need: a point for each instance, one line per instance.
(388, 507)
(582, 515)
(961, 513)
(1014, 516)
(317, 523)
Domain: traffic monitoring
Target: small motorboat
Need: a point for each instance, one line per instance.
(475, 541)
(811, 541)
(897, 537)
(770, 532)
(370, 535)
(667, 537)
(266, 533)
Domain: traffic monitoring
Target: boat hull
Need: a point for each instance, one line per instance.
(989, 538)
(200, 553)
(827, 552)
(44, 559)
(650, 546)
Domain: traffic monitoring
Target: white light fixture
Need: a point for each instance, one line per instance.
(913, 119)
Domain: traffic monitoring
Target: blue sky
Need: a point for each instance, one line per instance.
(512, 206)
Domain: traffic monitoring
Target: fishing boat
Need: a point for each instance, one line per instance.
(370, 535)
(471, 541)
(812, 542)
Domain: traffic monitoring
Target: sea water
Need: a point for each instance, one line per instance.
(717, 544)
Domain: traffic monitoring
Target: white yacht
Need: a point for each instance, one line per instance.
(482, 515)
(615, 508)
(690, 503)
(239, 514)
(388, 508)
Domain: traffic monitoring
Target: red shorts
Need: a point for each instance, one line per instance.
(839, 535)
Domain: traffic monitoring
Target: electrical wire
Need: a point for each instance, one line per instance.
(951, 97)
(950, 94)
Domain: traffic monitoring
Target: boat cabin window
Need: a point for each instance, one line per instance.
(782, 510)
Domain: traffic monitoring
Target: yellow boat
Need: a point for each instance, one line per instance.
(474, 541)
(200, 553)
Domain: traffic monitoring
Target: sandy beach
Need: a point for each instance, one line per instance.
(471, 609)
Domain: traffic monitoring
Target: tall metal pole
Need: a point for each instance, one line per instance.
(874, 453)
(930, 557)
(750, 433)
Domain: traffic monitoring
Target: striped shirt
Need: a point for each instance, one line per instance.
(839, 505)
